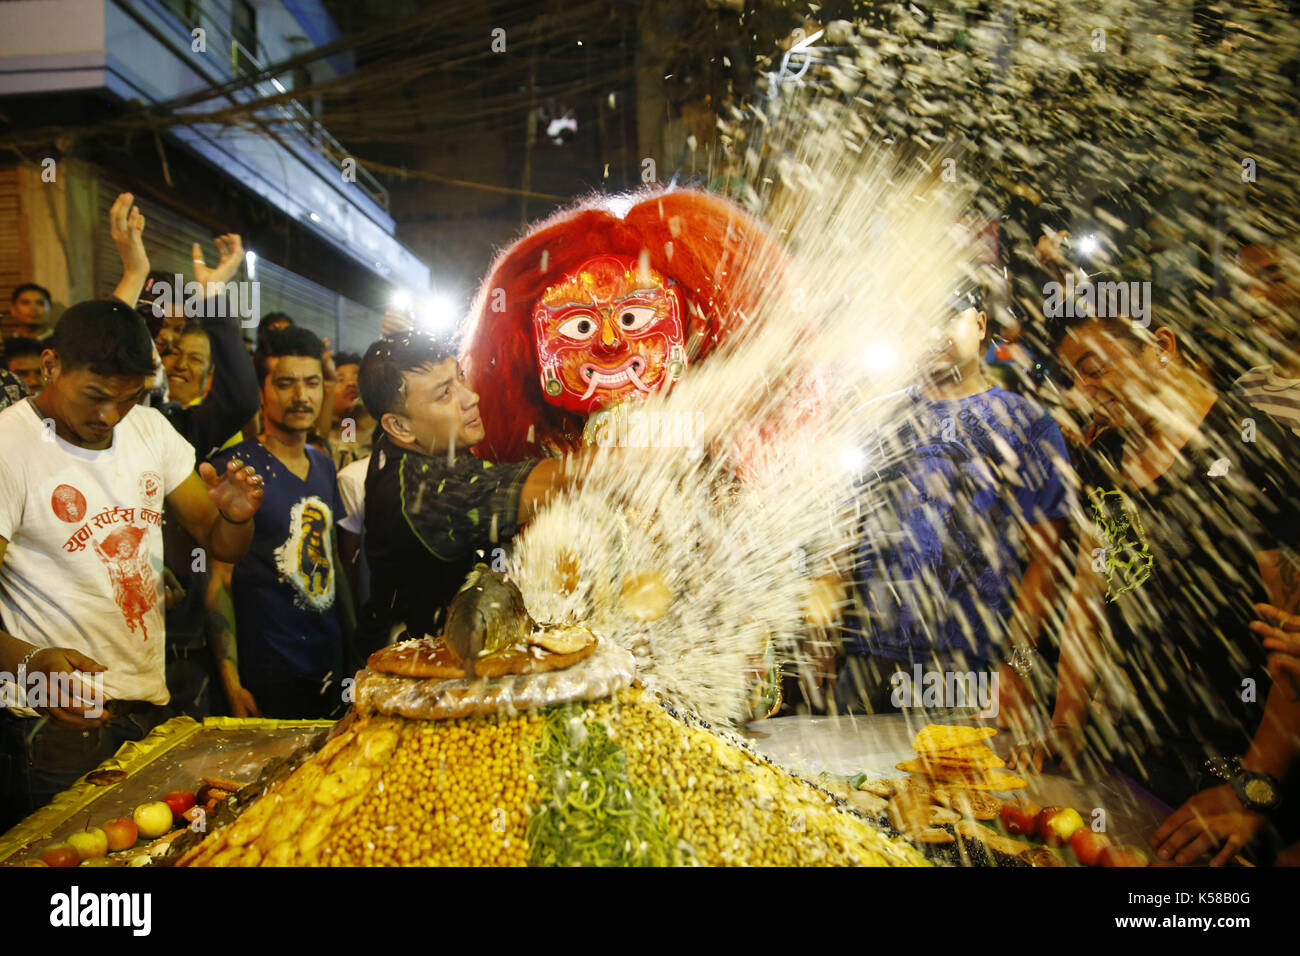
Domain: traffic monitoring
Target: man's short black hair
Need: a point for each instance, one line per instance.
(151, 291)
(1120, 327)
(383, 389)
(106, 336)
(17, 347)
(968, 294)
(278, 343)
(264, 326)
(30, 287)
(346, 358)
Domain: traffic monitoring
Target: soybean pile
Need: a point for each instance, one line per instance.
(624, 781)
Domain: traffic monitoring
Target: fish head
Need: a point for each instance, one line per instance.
(486, 615)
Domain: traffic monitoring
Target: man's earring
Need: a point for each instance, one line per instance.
(1164, 360)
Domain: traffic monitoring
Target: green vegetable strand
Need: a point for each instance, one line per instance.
(592, 814)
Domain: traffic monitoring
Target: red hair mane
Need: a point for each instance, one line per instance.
(701, 241)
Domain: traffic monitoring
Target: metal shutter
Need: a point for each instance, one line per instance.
(10, 266)
(308, 304)
(360, 327)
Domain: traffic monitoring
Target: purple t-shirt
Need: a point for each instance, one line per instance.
(953, 486)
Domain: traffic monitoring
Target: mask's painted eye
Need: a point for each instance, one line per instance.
(580, 327)
(634, 318)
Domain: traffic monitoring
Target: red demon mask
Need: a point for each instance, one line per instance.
(688, 264)
(609, 330)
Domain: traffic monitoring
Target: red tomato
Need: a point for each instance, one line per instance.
(179, 801)
(1088, 846)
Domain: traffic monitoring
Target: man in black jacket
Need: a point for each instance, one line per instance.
(213, 390)
(432, 508)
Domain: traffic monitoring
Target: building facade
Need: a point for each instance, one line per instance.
(101, 95)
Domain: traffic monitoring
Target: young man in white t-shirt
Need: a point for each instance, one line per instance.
(84, 475)
(352, 529)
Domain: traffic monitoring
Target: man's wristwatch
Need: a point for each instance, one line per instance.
(1257, 791)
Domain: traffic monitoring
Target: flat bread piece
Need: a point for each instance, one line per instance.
(937, 771)
(868, 803)
(421, 657)
(957, 768)
(987, 760)
(937, 737)
(970, 803)
(879, 788)
(533, 660)
(942, 815)
(918, 787)
(997, 781)
(839, 788)
(976, 753)
(990, 780)
(562, 640)
(992, 838)
(909, 812)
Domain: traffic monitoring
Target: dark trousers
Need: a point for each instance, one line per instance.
(296, 698)
(194, 684)
(39, 759)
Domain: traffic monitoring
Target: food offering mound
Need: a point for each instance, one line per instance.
(623, 781)
(507, 744)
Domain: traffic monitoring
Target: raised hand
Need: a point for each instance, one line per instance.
(329, 371)
(238, 493)
(231, 248)
(126, 224)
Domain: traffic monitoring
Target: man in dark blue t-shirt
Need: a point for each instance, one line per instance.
(278, 610)
(959, 538)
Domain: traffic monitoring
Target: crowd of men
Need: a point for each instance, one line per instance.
(233, 530)
(1112, 533)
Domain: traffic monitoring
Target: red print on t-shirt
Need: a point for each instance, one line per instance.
(69, 504)
(150, 486)
(134, 586)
